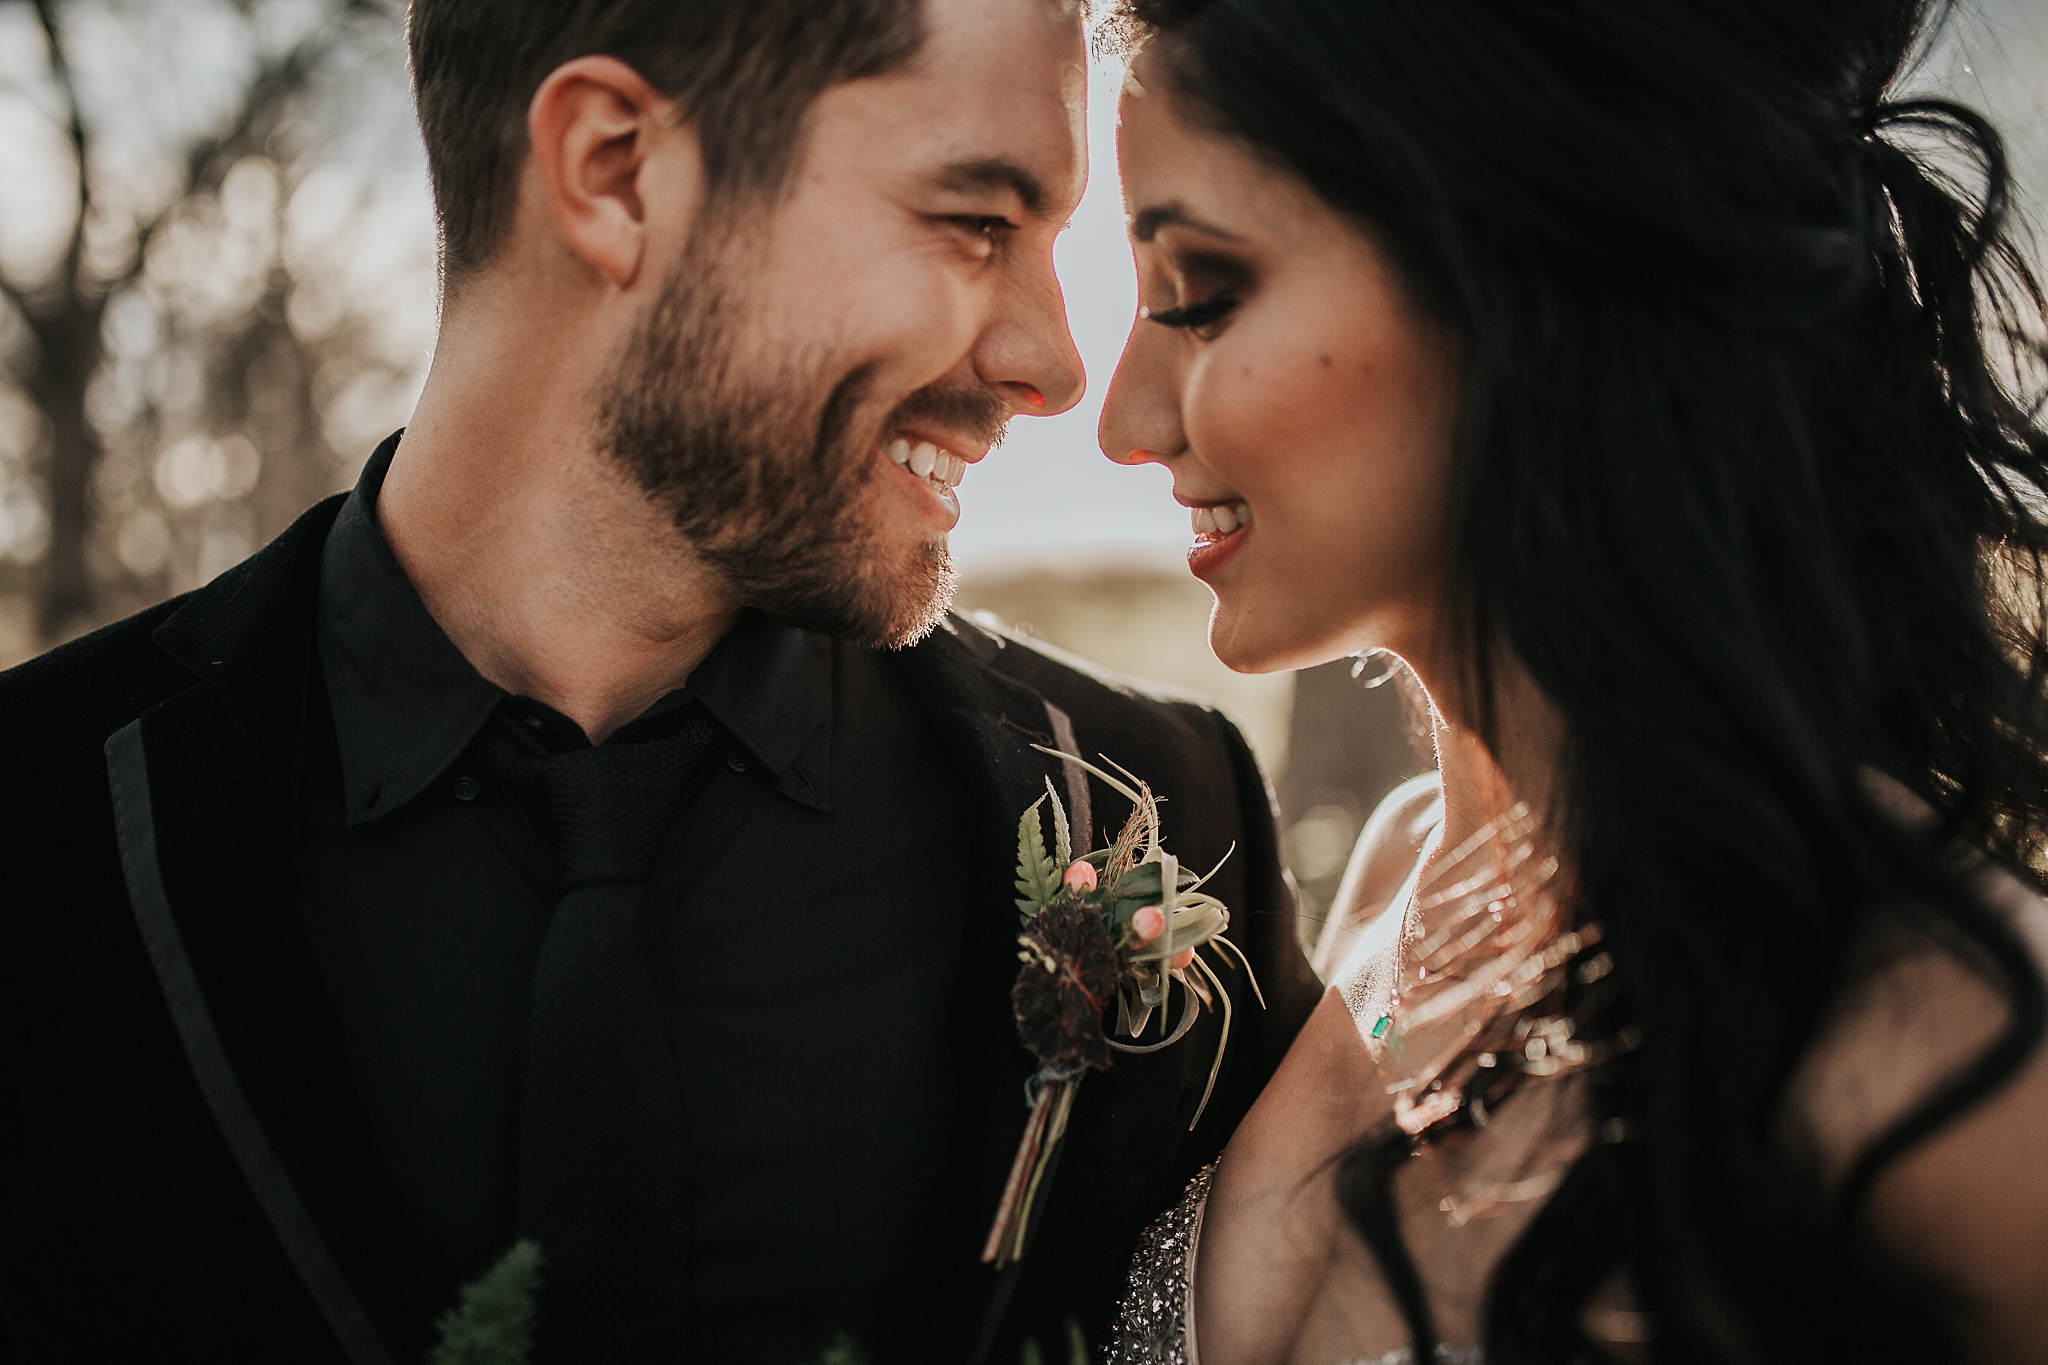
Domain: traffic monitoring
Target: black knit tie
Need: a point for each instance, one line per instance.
(601, 1179)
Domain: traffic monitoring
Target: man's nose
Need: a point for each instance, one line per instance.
(1029, 349)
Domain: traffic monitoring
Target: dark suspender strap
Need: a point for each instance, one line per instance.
(1079, 816)
(135, 827)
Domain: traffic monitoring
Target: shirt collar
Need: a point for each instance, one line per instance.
(770, 683)
(407, 703)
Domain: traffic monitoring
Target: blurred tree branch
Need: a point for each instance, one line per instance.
(65, 312)
(74, 128)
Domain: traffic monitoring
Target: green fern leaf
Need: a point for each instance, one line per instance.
(1038, 880)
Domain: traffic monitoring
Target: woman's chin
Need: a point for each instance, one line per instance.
(1247, 642)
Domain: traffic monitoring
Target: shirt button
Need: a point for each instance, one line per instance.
(466, 788)
(739, 760)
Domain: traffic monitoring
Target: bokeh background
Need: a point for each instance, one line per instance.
(217, 293)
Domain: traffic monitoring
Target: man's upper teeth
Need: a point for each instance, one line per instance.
(1221, 521)
(927, 461)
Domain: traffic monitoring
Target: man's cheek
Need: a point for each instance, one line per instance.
(920, 329)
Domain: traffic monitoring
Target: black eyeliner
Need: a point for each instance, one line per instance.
(1212, 309)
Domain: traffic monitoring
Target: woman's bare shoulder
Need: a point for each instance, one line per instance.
(1386, 850)
(1968, 1205)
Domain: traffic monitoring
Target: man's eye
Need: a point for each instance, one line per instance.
(1193, 316)
(985, 226)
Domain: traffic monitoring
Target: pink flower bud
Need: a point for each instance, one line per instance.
(1148, 924)
(1080, 876)
(1183, 958)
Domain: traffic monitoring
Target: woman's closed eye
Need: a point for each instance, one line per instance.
(1193, 316)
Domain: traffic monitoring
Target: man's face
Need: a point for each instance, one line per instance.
(816, 373)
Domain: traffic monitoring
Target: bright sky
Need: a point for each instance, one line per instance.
(1049, 488)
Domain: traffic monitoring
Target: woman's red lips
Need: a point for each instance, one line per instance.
(1210, 553)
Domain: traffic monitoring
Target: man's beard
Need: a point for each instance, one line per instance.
(761, 471)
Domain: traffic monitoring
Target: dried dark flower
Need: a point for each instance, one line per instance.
(1068, 978)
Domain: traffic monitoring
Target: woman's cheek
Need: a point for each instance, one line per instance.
(1278, 416)
(1237, 419)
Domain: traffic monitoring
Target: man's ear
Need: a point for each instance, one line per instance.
(605, 144)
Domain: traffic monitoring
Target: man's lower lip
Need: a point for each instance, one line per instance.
(1207, 556)
(947, 501)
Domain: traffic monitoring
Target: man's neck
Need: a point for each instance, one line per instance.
(544, 564)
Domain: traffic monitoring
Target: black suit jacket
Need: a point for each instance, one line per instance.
(181, 1179)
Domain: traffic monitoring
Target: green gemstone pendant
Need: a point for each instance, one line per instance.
(1386, 1022)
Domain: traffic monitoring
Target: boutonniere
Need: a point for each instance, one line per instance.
(1122, 923)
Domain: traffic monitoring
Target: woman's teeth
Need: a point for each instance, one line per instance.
(1218, 522)
(927, 461)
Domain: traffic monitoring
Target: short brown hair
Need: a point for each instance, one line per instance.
(746, 71)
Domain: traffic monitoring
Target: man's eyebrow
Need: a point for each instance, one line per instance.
(1145, 224)
(993, 173)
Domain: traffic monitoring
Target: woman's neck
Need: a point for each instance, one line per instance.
(1476, 791)
(1482, 783)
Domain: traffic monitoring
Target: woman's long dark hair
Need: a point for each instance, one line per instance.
(1749, 481)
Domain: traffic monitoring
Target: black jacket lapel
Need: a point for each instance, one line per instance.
(995, 721)
(204, 784)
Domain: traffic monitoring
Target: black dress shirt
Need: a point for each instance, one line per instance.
(804, 920)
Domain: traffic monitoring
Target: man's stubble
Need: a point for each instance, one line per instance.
(760, 466)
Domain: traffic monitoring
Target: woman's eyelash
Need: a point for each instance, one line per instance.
(1194, 314)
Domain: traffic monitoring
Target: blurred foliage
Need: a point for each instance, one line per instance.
(217, 269)
(493, 1322)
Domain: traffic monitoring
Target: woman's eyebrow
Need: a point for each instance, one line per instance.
(1145, 224)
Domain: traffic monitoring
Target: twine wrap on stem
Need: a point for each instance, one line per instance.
(1050, 1096)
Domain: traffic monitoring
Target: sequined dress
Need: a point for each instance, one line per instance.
(1153, 1325)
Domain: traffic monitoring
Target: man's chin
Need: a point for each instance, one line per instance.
(869, 608)
(918, 600)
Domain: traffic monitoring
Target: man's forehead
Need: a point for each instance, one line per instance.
(996, 34)
(1002, 88)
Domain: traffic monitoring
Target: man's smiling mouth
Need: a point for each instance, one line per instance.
(940, 468)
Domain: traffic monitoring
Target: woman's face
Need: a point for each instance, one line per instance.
(1301, 399)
